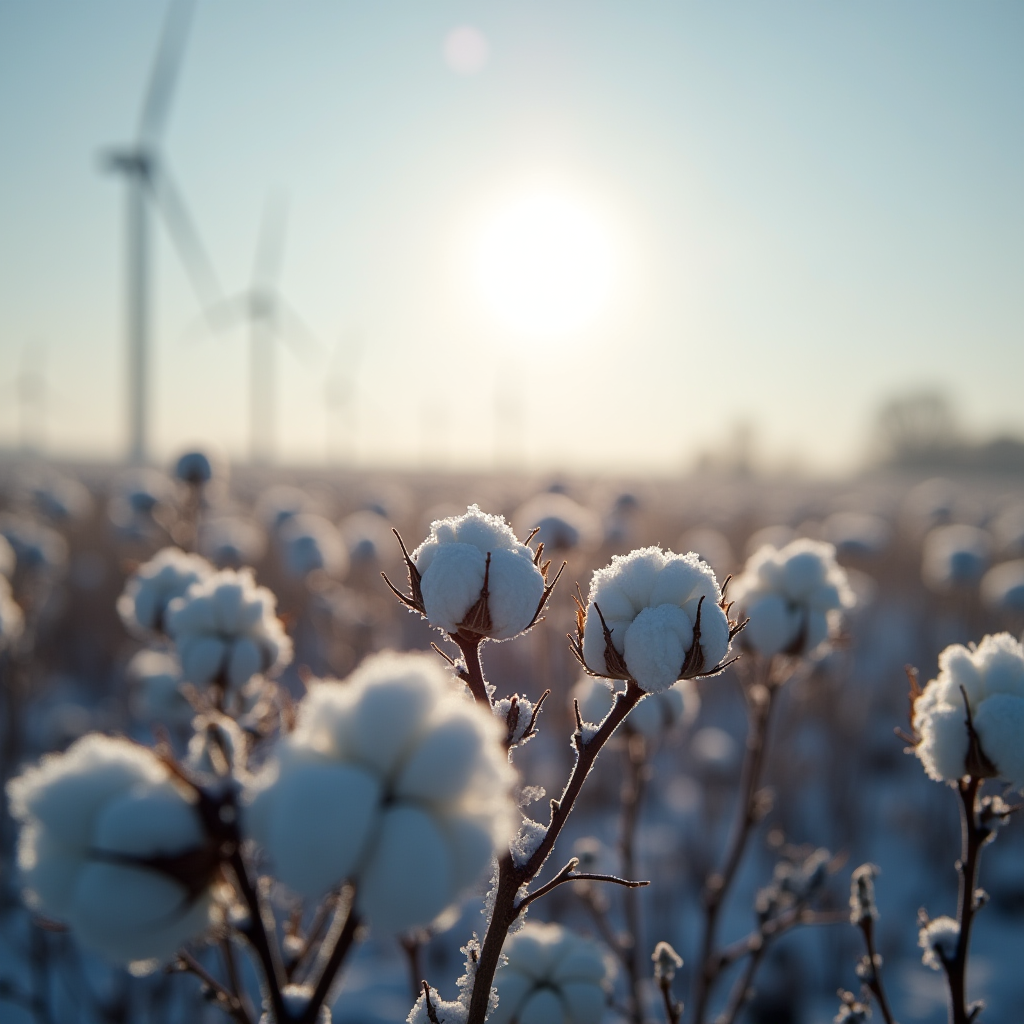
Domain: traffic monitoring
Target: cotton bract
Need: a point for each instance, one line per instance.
(90, 819)
(225, 630)
(653, 716)
(992, 676)
(167, 575)
(650, 600)
(392, 779)
(553, 976)
(793, 596)
(452, 563)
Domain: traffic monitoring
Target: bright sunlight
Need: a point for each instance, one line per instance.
(545, 265)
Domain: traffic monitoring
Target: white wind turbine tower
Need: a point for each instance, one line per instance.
(270, 318)
(148, 180)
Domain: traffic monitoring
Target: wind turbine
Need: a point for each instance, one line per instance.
(271, 319)
(148, 180)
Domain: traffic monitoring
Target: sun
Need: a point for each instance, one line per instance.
(545, 265)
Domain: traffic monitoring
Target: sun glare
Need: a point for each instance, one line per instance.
(545, 266)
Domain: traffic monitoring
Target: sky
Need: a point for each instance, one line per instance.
(775, 215)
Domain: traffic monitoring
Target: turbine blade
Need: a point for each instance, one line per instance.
(296, 334)
(164, 75)
(266, 267)
(220, 317)
(185, 237)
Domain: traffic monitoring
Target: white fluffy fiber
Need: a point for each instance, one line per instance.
(1002, 587)
(655, 714)
(11, 620)
(992, 675)
(649, 600)
(167, 575)
(107, 795)
(955, 556)
(794, 597)
(553, 976)
(452, 562)
(309, 543)
(225, 628)
(393, 779)
(938, 939)
(155, 677)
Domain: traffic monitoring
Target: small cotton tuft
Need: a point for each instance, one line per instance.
(939, 940)
(154, 585)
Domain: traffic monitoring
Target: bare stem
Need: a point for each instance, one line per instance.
(512, 877)
(760, 699)
(973, 836)
(228, 1001)
(632, 794)
(474, 674)
(331, 965)
(673, 1009)
(873, 970)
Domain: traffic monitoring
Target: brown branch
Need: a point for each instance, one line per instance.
(228, 1001)
(331, 965)
(474, 677)
(872, 973)
(567, 874)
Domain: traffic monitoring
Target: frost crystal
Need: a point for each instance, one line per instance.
(793, 596)
(991, 676)
(93, 822)
(167, 575)
(392, 779)
(527, 840)
(225, 630)
(666, 962)
(862, 895)
(455, 561)
(654, 605)
(938, 939)
(554, 975)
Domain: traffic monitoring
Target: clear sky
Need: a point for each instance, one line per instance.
(798, 210)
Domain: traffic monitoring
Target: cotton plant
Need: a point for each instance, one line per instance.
(967, 727)
(154, 585)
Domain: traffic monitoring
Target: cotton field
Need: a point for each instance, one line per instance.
(296, 747)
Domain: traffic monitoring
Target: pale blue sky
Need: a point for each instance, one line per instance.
(817, 205)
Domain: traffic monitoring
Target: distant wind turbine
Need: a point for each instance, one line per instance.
(271, 319)
(148, 180)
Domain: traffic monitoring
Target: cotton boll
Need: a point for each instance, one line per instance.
(543, 1006)
(513, 990)
(202, 659)
(155, 821)
(231, 542)
(453, 564)
(857, 533)
(955, 556)
(584, 1001)
(773, 624)
(155, 677)
(999, 722)
(408, 880)
(310, 542)
(1000, 659)
(470, 845)
(1002, 587)
(154, 585)
(561, 523)
(315, 824)
(656, 644)
(436, 768)
(944, 742)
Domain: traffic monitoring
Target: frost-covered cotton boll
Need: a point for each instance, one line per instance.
(938, 939)
(654, 715)
(37, 548)
(992, 676)
(458, 557)
(955, 557)
(553, 976)
(367, 537)
(61, 499)
(231, 542)
(143, 489)
(664, 619)
(310, 542)
(225, 630)
(793, 596)
(11, 620)
(561, 523)
(154, 585)
(112, 845)
(195, 468)
(155, 677)
(277, 504)
(394, 779)
(1002, 587)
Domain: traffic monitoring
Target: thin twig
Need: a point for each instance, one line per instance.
(332, 964)
(228, 1001)
(632, 795)
(872, 974)
(568, 875)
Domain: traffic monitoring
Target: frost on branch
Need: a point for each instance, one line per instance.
(113, 845)
(552, 975)
(657, 714)
(793, 596)
(862, 895)
(938, 939)
(654, 617)
(149, 592)
(969, 720)
(473, 577)
(225, 630)
(392, 779)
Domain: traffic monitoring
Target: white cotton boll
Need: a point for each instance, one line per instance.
(561, 523)
(655, 646)
(367, 537)
(649, 601)
(246, 661)
(584, 1001)
(452, 563)
(82, 813)
(408, 880)
(202, 659)
(999, 722)
(805, 570)
(513, 989)
(231, 542)
(155, 677)
(1000, 659)
(452, 584)
(957, 668)
(154, 585)
(436, 768)
(315, 823)
(470, 846)
(773, 624)
(311, 542)
(543, 1006)
(857, 533)
(944, 742)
